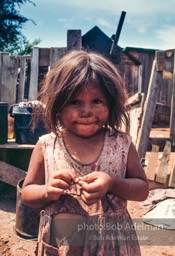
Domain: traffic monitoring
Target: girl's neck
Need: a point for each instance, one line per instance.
(84, 150)
(69, 136)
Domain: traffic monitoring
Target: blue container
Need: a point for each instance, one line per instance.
(23, 125)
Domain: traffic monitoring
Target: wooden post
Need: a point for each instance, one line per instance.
(9, 74)
(135, 115)
(151, 167)
(117, 34)
(172, 176)
(44, 57)
(140, 77)
(172, 114)
(20, 96)
(74, 40)
(33, 88)
(149, 110)
(56, 54)
(163, 167)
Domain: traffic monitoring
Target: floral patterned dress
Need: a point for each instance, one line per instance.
(106, 227)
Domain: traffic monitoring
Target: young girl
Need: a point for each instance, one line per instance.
(83, 172)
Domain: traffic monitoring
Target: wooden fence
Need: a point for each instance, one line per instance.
(20, 76)
(161, 164)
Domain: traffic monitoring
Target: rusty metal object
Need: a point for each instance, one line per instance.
(27, 218)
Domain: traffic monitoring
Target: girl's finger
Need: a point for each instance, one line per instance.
(89, 201)
(91, 196)
(67, 176)
(54, 193)
(89, 187)
(89, 178)
(58, 183)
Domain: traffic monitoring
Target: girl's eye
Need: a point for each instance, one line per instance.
(97, 101)
(74, 102)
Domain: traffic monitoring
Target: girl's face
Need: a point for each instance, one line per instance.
(87, 113)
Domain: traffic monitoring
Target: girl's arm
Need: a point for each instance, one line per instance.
(133, 187)
(35, 193)
(34, 189)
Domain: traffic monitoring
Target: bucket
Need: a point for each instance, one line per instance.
(23, 124)
(27, 218)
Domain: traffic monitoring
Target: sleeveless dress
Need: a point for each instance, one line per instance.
(106, 227)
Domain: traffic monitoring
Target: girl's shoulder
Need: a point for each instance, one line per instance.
(48, 136)
(47, 139)
(119, 137)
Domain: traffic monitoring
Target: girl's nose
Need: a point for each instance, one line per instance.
(86, 111)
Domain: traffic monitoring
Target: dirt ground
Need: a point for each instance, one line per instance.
(13, 245)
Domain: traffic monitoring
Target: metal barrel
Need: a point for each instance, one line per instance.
(27, 218)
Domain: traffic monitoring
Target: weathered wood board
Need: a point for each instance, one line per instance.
(136, 98)
(151, 167)
(163, 166)
(74, 39)
(56, 54)
(10, 174)
(8, 77)
(135, 121)
(172, 176)
(33, 89)
(149, 110)
(22, 77)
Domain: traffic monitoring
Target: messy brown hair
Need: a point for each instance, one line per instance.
(74, 71)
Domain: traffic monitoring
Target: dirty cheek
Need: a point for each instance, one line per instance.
(103, 114)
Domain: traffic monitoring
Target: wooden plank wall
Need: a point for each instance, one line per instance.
(48, 57)
(12, 77)
(8, 78)
(160, 164)
(130, 74)
(13, 69)
(146, 58)
(164, 62)
(148, 113)
(43, 59)
(165, 89)
(160, 167)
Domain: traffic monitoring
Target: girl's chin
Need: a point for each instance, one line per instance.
(86, 133)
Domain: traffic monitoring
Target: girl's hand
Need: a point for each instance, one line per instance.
(58, 183)
(94, 186)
